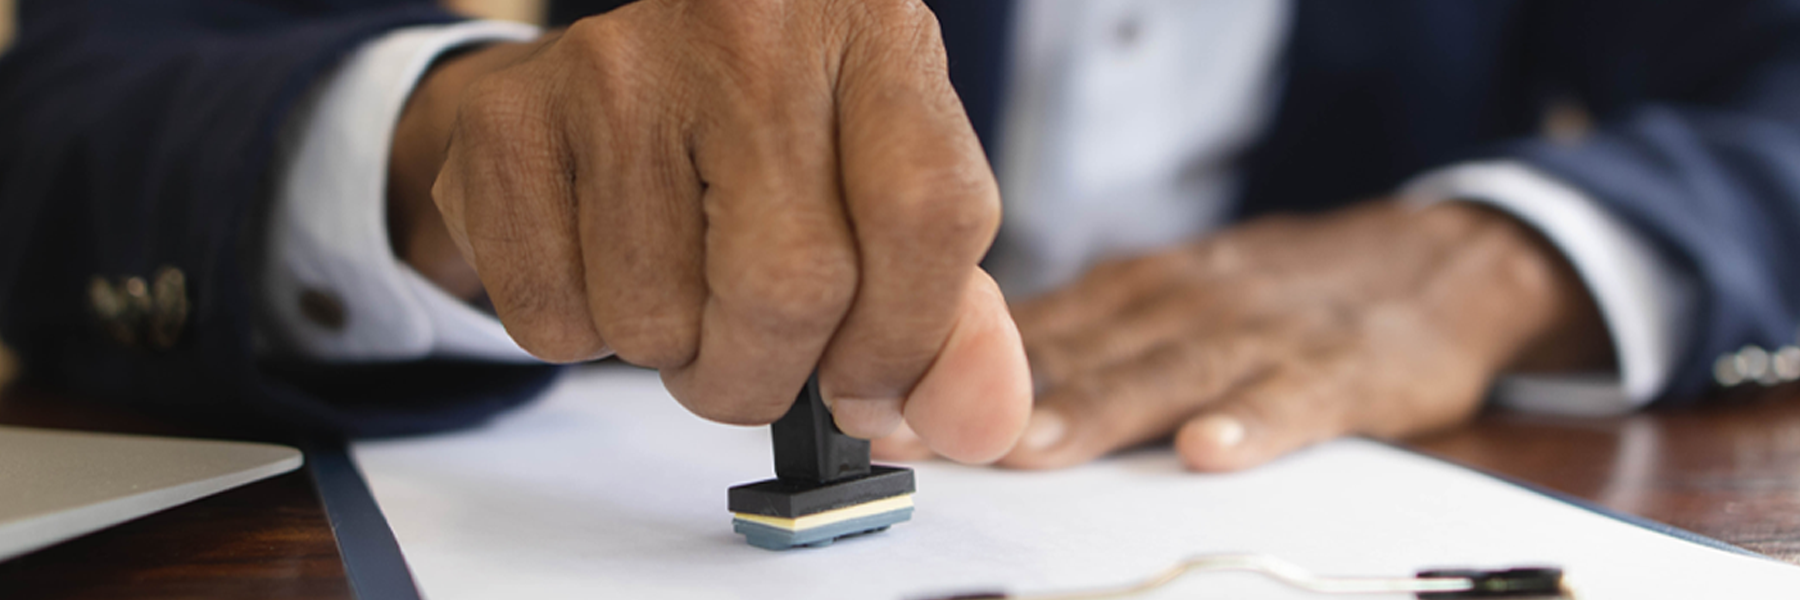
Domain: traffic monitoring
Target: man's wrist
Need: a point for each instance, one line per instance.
(421, 136)
(1519, 299)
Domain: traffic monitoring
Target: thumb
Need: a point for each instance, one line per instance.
(971, 404)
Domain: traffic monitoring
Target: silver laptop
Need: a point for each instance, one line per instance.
(56, 485)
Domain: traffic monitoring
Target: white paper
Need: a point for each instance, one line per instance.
(608, 488)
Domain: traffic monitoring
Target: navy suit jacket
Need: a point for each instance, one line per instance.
(136, 134)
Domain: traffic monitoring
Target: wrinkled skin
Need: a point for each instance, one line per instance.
(1382, 319)
(733, 192)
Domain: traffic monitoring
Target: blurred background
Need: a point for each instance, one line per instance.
(530, 11)
(6, 29)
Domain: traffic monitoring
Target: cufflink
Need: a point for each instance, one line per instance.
(323, 309)
(1785, 365)
(1754, 364)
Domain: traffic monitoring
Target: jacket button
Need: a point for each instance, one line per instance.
(169, 308)
(114, 311)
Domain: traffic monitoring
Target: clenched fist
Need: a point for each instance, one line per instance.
(733, 192)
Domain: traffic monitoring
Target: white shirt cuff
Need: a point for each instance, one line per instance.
(328, 236)
(1642, 298)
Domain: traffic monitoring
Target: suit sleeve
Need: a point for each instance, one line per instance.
(1696, 145)
(136, 144)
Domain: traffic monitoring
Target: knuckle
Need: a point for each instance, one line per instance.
(732, 407)
(806, 284)
(494, 106)
(553, 340)
(611, 54)
(588, 34)
(605, 44)
(874, 361)
(744, 414)
(908, 27)
(658, 341)
(629, 72)
(598, 36)
(946, 212)
(886, 14)
(543, 318)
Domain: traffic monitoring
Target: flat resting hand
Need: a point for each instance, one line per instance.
(1382, 319)
(733, 192)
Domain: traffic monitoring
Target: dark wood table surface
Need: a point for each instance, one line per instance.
(1730, 470)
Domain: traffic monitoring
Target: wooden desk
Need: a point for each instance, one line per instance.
(1731, 472)
(267, 540)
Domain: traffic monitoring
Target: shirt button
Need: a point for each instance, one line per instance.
(323, 309)
(1128, 31)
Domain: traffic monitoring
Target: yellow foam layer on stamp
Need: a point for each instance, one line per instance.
(831, 516)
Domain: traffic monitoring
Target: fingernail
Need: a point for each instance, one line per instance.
(1044, 430)
(1221, 431)
(866, 418)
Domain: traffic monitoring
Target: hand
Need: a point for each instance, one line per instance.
(1382, 320)
(733, 192)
